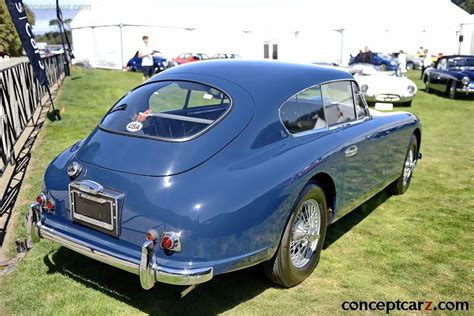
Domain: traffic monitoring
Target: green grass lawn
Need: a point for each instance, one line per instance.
(418, 246)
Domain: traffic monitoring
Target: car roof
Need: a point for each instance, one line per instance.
(263, 79)
(456, 56)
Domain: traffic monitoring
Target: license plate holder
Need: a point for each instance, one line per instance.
(99, 211)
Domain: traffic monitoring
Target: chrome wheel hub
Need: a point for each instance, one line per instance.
(305, 233)
(409, 166)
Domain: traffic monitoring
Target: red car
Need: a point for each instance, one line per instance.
(189, 57)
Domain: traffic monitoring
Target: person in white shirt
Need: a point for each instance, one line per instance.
(146, 54)
(427, 62)
(402, 64)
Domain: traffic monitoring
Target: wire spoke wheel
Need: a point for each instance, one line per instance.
(409, 166)
(305, 233)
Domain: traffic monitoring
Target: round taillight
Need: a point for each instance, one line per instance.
(49, 205)
(166, 243)
(152, 235)
(41, 199)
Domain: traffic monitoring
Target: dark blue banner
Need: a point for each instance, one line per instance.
(23, 27)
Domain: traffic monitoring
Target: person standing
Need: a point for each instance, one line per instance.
(402, 64)
(427, 62)
(146, 54)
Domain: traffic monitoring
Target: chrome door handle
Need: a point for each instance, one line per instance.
(351, 151)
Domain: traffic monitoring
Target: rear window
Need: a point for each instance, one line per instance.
(168, 110)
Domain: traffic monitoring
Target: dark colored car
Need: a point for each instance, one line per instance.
(383, 61)
(212, 167)
(453, 75)
(189, 58)
(159, 62)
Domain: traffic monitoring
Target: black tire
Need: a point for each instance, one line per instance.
(280, 269)
(452, 90)
(408, 103)
(427, 85)
(401, 185)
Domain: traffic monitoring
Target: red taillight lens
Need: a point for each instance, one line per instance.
(50, 205)
(41, 199)
(152, 235)
(167, 243)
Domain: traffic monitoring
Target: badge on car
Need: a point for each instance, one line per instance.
(134, 126)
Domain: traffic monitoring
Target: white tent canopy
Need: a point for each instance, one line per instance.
(109, 32)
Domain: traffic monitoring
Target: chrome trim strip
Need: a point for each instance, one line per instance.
(183, 118)
(149, 272)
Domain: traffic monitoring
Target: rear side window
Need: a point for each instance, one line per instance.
(338, 102)
(304, 111)
(168, 110)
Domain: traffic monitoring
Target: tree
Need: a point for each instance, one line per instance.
(467, 5)
(55, 23)
(67, 23)
(9, 39)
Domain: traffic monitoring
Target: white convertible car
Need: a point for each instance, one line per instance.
(383, 88)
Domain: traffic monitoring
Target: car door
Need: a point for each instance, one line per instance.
(347, 115)
(438, 76)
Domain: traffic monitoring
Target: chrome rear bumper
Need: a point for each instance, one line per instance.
(146, 268)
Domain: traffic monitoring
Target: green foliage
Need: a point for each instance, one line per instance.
(53, 37)
(9, 39)
(417, 246)
(467, 5)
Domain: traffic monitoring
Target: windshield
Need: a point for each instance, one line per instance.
(460, 62)
(168, 110)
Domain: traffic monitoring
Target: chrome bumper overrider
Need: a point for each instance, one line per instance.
(148, 271)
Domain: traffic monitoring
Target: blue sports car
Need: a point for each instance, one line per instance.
(383, 61)
(159, 62)
(213, 167)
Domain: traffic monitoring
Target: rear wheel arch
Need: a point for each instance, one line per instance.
(329, 189)
(417, 134)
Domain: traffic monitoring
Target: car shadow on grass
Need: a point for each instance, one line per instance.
(345, 224)
(221, 294)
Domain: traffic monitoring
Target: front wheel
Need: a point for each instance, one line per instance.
(401, 185)
(452, 90)
(302, 241)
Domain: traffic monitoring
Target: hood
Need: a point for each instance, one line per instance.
(152, 157)
(469, 73)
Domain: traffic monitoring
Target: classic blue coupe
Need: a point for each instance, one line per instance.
(453, 75)
(213, 167)
(159, 62)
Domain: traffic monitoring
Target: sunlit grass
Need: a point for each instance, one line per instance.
(417, 246)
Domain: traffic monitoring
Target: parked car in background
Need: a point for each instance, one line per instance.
(213, 167)
(159, 62)
(453, 75)
(225, 56)
(384, 88)
(189, 58)
(413, 61)
(383, 61)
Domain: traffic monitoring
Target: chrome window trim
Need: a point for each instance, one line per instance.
(171, 140)
(359, 94)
